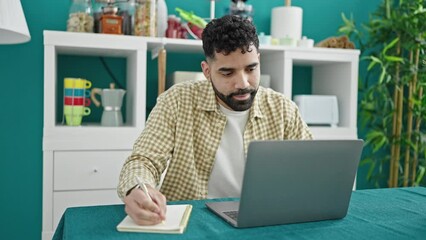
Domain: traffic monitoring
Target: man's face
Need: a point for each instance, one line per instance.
(235, 78)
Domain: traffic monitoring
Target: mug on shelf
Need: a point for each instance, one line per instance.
(74, 114)
(76, 92)
(77, 101)
(77, 83)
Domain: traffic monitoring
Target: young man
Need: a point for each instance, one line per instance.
(202, 129)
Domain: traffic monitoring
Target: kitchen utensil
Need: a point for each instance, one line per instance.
(111, 99)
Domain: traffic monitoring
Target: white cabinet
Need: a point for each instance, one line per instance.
(78, 178)
(81, 164)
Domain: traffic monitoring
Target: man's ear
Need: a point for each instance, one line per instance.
(206, 69)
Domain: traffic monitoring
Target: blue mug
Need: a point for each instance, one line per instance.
(76, 92)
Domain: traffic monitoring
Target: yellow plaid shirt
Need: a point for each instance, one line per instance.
(185, 128)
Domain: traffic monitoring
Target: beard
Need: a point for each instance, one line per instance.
(237, 105)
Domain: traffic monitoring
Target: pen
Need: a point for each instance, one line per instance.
(145, 190)
(143, 187)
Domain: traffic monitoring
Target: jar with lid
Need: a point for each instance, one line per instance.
(97, 13)
(126, 9)
(80, 17)
(145, 18)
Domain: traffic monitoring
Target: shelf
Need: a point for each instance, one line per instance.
(97, 44)
(89, 44)
(334, 72)
(71, 43)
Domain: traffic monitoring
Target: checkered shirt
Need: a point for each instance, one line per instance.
(184, 130)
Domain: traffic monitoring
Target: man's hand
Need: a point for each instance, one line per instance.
(144, 211)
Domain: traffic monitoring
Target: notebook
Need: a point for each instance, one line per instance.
(177, 217)
(292, 182)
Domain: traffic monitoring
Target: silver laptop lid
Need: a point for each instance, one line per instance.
(297, 181)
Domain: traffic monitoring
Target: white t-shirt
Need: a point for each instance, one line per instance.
(227, 174)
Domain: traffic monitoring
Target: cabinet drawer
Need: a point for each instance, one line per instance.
(83, 170)
(64, 200)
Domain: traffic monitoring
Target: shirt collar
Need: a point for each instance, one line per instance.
(207, 97)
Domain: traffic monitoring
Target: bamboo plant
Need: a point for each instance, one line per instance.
(392, 99)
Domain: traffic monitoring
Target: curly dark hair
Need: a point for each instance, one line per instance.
(227, 34)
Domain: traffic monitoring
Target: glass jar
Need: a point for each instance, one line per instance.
(126, 9)
(145, 18)
(97, 14)
(80, 17)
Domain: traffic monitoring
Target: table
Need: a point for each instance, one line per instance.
(397, 213)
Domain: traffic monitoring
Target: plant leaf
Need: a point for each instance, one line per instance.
(382, 75)
(371, 65)
(394, 59)
(390, 45)
(375, 59)
(420, 175)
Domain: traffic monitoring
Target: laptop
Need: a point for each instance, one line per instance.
(293, 181)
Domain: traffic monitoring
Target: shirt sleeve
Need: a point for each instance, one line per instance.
(152, 149)
(297, 128)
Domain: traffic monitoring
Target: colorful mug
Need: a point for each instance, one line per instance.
(76, 110)
(74, 114)
(77, 83)
(76, 92)
(77, 101)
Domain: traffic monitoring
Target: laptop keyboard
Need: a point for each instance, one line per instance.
(232, 214)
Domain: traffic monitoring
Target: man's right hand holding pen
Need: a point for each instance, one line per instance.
(145, 208)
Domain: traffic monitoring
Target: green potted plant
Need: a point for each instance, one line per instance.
(392, 94)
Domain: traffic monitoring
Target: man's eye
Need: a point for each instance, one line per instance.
(226, 73)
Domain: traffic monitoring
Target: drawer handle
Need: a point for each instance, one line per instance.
(95, 170)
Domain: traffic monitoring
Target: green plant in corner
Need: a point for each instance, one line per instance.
(392, 98)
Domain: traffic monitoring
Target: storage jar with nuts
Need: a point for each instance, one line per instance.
(80, 17)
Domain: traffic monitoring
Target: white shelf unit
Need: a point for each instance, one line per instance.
(85, 44)
(334, 72)
(81, 164)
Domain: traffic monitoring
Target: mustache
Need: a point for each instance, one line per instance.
(241, 92)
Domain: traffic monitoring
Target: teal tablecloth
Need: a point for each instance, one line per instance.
(373, 214)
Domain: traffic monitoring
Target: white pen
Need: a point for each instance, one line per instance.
(145, 190)
(143, 187)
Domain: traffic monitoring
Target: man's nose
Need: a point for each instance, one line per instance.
(242, 81)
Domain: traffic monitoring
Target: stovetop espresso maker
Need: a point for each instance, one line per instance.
(111, 99)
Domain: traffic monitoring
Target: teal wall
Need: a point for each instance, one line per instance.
(21, 94)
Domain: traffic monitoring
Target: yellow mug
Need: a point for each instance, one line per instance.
(77, 83)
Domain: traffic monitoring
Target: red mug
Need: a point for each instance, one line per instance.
(77, 101)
